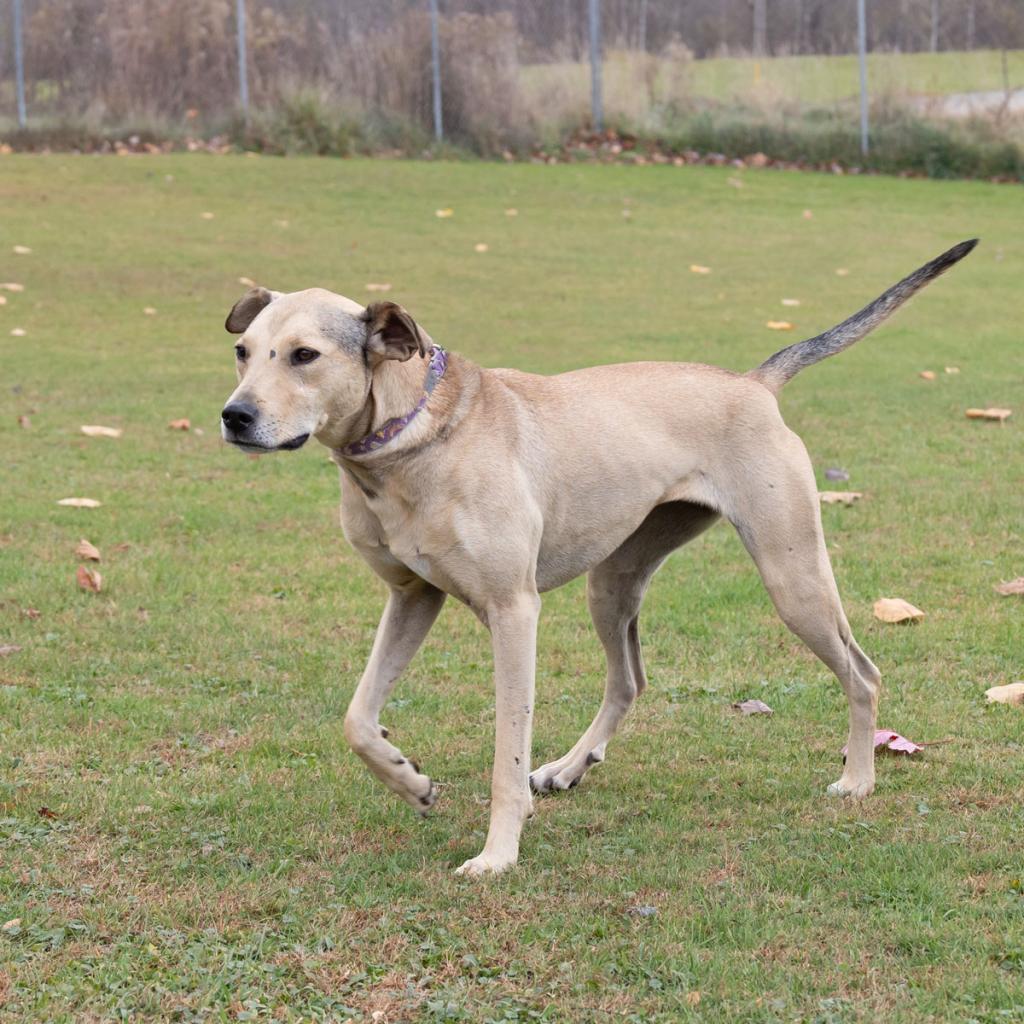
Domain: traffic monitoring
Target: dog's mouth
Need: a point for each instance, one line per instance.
(286, 446)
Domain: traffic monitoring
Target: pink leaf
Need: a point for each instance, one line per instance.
(895, 742)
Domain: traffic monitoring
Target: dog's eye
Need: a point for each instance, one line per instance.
(305, 355)
(240, 352)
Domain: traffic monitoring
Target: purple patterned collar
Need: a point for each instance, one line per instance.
(392, 428)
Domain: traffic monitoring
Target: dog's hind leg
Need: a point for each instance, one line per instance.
(408, 616)
(615, 591)
(773, 503)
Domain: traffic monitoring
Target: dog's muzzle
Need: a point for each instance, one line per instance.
(239, 418)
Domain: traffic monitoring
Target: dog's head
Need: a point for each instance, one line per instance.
(305, 362)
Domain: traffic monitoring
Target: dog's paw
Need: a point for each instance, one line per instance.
(851, 788)
(565, 773)
(483, 865)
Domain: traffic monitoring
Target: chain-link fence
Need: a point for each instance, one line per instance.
(492, 74)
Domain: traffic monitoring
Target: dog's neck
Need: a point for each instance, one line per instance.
(395, 409)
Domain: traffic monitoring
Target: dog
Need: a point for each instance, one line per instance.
(495, 486)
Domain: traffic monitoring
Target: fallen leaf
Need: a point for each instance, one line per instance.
(45, 812)
(179, 424)
(89, 579)
(511, 212)
(445, 212)
(1012, 587)
(895, 609)
(992, 413)
(11, 926)
(839, 497)
(31, 613)
(779, 325)
(22, 250)
(807, 215)
(643, 910)
(80, 502)
(693, 998)
(895, 742)
(206, 215)
(841, 272)
(378, 287)
(753, 707)
(87, 550)
(247, 281)
(481, 247)
(149, 310)
(928, 374)
(18, 332)
(834, 473)
(281, 223)
(96, 431)
(24, 422)
(735, 182)
(3, 300)
(952, 369)
(1012, 693)
(791, 302)
(8, 649)
(12, 286)
(696, 268)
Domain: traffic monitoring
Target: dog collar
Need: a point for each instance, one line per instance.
(392, 428)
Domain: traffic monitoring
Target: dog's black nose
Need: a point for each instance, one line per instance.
(239, 416)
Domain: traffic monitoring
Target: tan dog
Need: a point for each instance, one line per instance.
(495, 486)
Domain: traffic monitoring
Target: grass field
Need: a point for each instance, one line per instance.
(183, 833)
(633, 82)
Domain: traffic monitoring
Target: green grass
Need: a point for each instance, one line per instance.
(211, 851)
(806, 81)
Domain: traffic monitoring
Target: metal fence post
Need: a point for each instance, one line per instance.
(243, 60)
(862, 47)
(596, 99)
(435, 63)
(19, 64)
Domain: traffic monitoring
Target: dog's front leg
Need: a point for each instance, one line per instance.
(408, 616)
(513, 628)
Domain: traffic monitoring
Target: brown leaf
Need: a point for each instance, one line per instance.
(1012, 587)
(94, 431)
(693, 998)
(696, 268)
(149, 310)
(842, 272)
(753, 707)
(24, 422)
(80, 502)
(87, 550)
(247, 281)
(446, 212)
(89, 579)
(779, 325)
(839, 497)
(6, 649)
(791, 302)
(511, 212)
(928, 374)
(1012, 693)
(206, 215)
(380, 287)
(481, 247)
(895, 609)
(991, 413)
(22, 250)
(32, 613)
(179, 425)
(18, 332)
(45, 812)
(12, 286)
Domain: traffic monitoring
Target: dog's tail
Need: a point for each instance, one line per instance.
(774, 372)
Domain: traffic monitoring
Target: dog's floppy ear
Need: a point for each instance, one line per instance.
(392, 334)
(246, 309)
